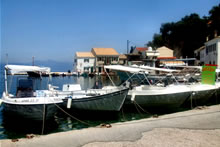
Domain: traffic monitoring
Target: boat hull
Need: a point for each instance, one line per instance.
(106, 102)
(201, 94)
(200, 97)
(159, 101)
(159, 98)
(37, 112)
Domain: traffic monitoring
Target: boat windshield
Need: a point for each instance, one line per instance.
(25, 88)
(25, 83)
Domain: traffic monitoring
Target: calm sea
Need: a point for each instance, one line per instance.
(10, 128)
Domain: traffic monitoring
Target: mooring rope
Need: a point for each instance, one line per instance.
(141, 108)
(138, 109)
(72, 115)
(123, 113)
(43, 125)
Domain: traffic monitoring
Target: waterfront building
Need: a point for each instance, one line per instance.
(136, 55)
(143, 55)
(209, 54)
(151, 57)
(199, 55)
(165, 52)
(104, 56)
(166, 57)
(122, 59)
(84, 62)
(140, 50)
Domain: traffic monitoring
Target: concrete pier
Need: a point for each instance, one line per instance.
(198, 127)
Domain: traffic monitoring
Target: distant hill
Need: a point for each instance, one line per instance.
(56, 65)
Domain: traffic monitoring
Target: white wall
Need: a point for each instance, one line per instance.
(212, 57)
(81, 64)
(218, 53)
(202, 55)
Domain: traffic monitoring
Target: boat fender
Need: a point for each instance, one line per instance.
(14, 140)
(30, 136)
(132, 97)
(69, 102)
(105, 125)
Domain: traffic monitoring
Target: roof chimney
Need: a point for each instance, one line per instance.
(215, 33)
(207, 38)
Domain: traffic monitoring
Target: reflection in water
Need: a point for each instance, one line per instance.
(17, 128)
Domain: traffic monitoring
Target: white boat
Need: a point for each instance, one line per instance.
(152, 96)
(105, 99)
(171, 96)
(201, 93)
(27, 102)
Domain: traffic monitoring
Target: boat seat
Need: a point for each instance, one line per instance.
(71, 87)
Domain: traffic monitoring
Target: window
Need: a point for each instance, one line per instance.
(115, 59)
(86, 60)
(99, 59)
(207, 50)
(211, 48)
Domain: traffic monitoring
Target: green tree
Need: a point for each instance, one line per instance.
(186, 35)
(189, 33)
(214, 21)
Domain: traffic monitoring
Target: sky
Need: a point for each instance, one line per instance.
(56, 29)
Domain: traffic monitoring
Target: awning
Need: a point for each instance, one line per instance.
(125, 68)
(157, 69)
(15, 69)
(136, 69)
(167, 63)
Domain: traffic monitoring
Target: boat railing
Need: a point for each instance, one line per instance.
(76, 93)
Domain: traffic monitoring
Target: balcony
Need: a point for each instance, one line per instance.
(114, 62)
(152, 54)
(121, 62)
(100, 62)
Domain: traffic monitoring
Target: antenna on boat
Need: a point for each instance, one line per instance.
(7, 59)
(32, 60)
(6, 83)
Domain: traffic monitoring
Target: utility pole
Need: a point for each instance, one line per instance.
(128, 46)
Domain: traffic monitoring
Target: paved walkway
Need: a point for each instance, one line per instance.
(196, 126)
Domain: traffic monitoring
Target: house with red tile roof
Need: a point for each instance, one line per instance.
(140, 50)
(143, 55)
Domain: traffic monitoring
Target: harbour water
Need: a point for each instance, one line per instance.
(17, 128)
